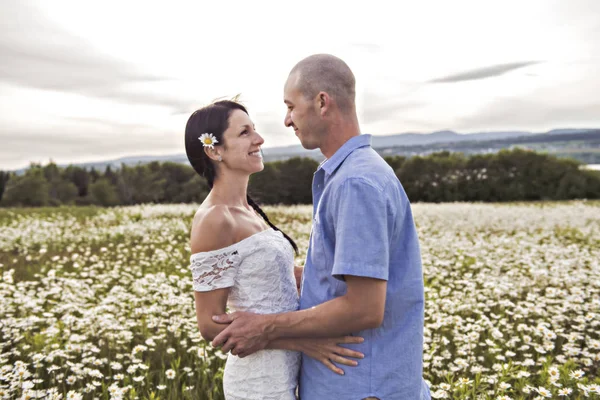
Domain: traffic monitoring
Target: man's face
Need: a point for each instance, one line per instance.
(302, 115)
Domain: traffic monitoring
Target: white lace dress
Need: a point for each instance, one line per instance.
(260, 272)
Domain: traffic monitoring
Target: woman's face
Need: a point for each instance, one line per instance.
(241, 144)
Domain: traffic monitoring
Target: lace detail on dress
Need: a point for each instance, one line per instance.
(260, 272)
(212, 271)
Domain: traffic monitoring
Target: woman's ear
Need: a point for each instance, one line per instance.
(213, 153)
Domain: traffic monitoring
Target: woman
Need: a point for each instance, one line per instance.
(241, 260)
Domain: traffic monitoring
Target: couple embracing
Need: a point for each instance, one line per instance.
(355, 331)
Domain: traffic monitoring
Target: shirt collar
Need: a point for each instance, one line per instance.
(331, 164)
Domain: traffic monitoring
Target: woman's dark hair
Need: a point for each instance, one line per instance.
(214, 119)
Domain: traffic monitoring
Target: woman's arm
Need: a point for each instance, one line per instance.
(215, 229)
(324, 350)
(207, 303)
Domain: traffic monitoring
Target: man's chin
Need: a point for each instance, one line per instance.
(308, 145)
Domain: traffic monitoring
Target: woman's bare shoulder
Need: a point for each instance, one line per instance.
(213, 228)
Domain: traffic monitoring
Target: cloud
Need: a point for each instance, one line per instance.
(483, 73)
(558, 105)
(367, 47)
(377, 108)
(99, 142)
(514, 113)
(100, 124)
(37, 54)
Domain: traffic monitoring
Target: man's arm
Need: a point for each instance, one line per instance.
(362, 307)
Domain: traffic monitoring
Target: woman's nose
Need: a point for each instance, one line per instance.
(259, 139)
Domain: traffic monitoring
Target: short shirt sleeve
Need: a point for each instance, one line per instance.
(215, 269)
(361, 215)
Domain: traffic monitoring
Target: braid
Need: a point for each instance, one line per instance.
(209, 173)
(262, 214)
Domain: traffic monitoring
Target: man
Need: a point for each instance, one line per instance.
(363, 269)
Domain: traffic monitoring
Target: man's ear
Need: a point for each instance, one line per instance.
(212, 153)
(323, 102)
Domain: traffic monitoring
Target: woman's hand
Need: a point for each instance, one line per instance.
(328, 351)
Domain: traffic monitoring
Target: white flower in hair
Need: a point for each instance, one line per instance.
(208, 140)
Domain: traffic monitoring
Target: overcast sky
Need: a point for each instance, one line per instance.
(83, 81)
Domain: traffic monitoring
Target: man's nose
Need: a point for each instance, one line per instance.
(288, 120)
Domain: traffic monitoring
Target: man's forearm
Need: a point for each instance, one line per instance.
(337, 317)
(361, 307)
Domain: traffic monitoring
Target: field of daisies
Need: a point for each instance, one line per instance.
(98, 303)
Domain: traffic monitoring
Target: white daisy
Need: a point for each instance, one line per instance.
(208, 140)
(577, 374)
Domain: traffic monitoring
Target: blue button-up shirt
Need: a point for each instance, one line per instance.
(363, 226)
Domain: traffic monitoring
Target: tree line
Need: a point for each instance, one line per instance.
(509, 175)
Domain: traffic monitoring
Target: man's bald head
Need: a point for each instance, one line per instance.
(326, 73)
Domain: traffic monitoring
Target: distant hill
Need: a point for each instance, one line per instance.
(568, 131)
(419, 139)
(401, 144)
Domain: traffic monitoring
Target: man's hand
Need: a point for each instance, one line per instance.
(246, 334)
